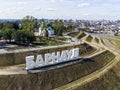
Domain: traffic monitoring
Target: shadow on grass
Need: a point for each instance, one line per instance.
(88, 60)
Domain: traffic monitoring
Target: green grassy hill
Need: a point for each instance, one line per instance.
(54, 78)
(110, 81)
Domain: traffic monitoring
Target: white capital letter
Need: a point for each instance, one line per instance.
(39, 61)
(30, 64)
(56, 58)
(63, 56)
(76, 53)
(48, 59)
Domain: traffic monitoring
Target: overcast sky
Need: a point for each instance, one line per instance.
(65, 9)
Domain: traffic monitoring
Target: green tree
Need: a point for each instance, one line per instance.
(23, 36)
(58, 26)
(30, 37)
(20, 36)
(29, 23)
(1, 26)
(47, 35)
(8, 26)
(8, 34)
(8, 31)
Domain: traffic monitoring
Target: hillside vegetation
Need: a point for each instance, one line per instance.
(54, 78)
(81, 35)
(115, 43)
(89, 38)
(73, 34)
(110, 81)
(8, 59)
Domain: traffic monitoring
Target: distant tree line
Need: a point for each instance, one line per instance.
(24, 31)
(21, 33)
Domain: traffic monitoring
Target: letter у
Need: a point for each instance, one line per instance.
(69, 54)
(30, 64)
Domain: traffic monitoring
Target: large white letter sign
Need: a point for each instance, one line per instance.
(51, 59)
(30, 64)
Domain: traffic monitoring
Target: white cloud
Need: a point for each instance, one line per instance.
(83, 4)
(37, 8)
(21, 3)
(86, 14)
(54, 1)
(50, 9)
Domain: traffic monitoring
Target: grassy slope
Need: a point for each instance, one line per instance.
(73, 34)
(110, 81)
(81, 35)
(55, 78)
(115, 36)
(19, 58)
(89, 38)
(115, 43)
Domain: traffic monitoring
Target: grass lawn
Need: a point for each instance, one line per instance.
(73, 34)
(41, 42)
(81, 35)
(115, 37)
(89, 38)
(49, 42)
(115, 43)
